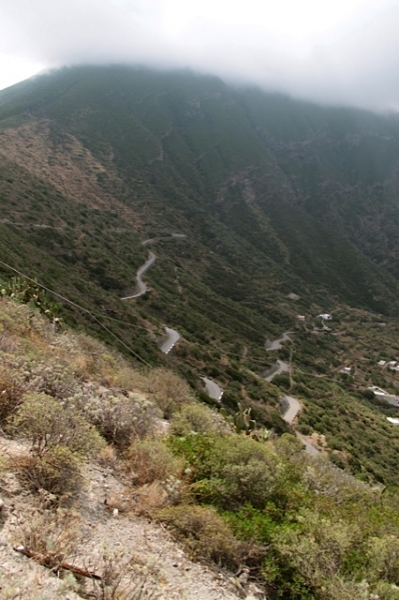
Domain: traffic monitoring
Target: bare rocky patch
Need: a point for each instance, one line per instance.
(65, 163)
(102, 537)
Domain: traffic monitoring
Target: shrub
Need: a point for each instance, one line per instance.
(243, 471)
(150, 461)
(53, 534)
(194, 418)
(204, 533)
(317, 552)
(53, 377)
(123, 579)
(47, 424)
(88, 356)
(11, 391)
(57, 472)
(169, 391)
(229, 471)
(305, 429)
(383, 558)
(252, 524)
(119, 418)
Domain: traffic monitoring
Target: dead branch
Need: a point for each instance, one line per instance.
(46, 560)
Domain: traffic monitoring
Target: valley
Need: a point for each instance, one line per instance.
(284, 208)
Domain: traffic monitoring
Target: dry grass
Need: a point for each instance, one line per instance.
(53, 534)
(123, 578)
(168, 390)
(204, 533)
(150, 460)
(107, 457)
(11, 390)
(57, 472)
(151, 497)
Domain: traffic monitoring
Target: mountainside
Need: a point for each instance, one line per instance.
(283, 208)
(101, 463)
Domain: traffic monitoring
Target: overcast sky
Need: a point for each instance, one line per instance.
(337, 51)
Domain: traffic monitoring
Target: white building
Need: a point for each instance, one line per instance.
(325, 317)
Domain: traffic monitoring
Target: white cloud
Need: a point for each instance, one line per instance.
(14, 69)
(342, 51)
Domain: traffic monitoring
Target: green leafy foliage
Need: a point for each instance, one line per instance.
(28, 292)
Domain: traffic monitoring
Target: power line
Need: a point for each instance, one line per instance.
(79, 308)
(93, 315)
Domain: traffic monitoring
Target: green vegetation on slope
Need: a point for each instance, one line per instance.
(275, 197)
(301, 528)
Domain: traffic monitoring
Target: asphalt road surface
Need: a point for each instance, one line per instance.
(142, 288)
(212, 389)
(277, 344)
(172, 339)
(293, 409)
(279, 367)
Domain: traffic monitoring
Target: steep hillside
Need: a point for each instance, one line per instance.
(283, 209)
(117, 484)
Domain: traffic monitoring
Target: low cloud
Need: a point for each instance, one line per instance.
(343, 53)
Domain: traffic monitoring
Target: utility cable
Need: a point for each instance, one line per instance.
(79, 308)
(93, 315)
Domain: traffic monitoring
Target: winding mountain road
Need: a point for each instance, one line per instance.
(279, 367)
(173, 336)
(293, 409)
(213, 390)
(277, 344)
(293, 405)
(172, 339)
(142, 288)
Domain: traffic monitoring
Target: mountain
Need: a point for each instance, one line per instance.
(282, 208)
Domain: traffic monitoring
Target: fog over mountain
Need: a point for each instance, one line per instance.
(342, 52)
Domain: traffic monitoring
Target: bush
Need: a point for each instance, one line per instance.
(383, 558)
(53, 377)
(47, 424)
(305, 429)
(246, 470)
(194, 418)
(11, 391)
(249, 523)
(53, 534)
(229, 471)
(169, 391)
(317, 552)
(57, 472)
(150, 461)
(204, 534)
(119, 418)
